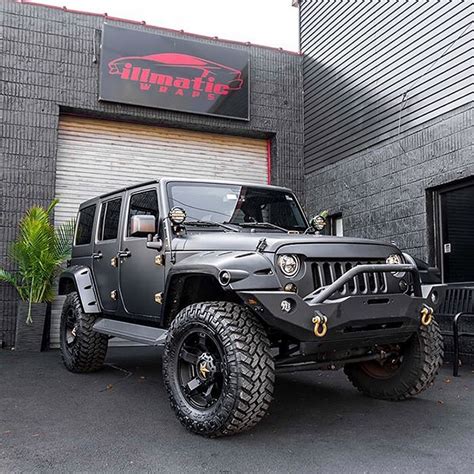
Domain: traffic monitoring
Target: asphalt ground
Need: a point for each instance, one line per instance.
(119, 420)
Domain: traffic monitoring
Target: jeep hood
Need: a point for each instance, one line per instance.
(309, 245)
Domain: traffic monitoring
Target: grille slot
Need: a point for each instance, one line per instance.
(367, 283)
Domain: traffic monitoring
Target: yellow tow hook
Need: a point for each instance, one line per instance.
(426, 315)
(320, 325)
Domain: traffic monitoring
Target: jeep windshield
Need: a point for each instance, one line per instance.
(246, 207)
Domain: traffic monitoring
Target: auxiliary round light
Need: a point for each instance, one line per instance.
(318, 222)
(177, 215)
(289, 264)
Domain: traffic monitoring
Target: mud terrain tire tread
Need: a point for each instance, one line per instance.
(249, 363)
(425, 357)
(90, 349)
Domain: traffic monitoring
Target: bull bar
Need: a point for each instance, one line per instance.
(361, 319)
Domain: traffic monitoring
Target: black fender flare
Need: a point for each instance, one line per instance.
(248, 270)
(79, 278)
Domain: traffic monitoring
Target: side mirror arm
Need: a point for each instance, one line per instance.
(154, 242)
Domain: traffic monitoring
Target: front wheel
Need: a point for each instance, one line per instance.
(411, 369)
(218, 369)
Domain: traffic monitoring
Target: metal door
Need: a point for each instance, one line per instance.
(106, 247)
(141, 269)
(457, 233)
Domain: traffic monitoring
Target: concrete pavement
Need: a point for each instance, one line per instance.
(119, 420)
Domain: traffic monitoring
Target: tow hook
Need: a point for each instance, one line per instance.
(426, 315)
(320, 325)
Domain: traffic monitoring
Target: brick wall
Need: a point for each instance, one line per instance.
(47, 68)
(381, 191)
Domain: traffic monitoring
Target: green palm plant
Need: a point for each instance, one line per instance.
(38, 252)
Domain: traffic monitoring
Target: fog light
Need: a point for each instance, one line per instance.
(291, 287)
(403, 285)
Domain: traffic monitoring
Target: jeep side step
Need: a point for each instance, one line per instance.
(133, 332)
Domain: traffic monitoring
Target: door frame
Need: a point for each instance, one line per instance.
(124, 238)
(437, 224)
(98, 243)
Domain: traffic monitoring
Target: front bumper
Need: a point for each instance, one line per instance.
(353, 321)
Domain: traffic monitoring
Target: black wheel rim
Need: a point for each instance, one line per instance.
(200, 362)
(70, 328)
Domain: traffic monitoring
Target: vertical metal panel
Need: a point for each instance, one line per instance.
(97, 156)
(372, 70)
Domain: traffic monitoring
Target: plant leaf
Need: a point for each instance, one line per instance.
(38, 252)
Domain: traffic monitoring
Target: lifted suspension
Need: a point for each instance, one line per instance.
(287, 366)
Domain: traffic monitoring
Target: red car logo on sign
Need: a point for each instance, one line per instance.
(178, 74)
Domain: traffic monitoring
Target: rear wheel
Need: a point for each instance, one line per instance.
(411, 369)
(218, 369)
(82, 349)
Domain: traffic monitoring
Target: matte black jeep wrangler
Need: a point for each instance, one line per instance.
(238, 286)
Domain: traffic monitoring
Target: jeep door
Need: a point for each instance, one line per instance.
(106, 247)
(142, 273)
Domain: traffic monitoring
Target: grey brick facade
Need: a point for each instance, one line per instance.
(383, 192)
(48, 68)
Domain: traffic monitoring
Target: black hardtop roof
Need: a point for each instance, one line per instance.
(172, 179)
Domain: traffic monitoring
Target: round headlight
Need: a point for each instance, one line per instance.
(289, 264)
(394, 259)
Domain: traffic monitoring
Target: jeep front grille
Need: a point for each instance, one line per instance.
(369, 283)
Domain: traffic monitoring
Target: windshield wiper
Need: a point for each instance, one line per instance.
(262, 224)
(211, 223)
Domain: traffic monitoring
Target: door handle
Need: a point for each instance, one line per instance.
(124, 253)
(97, 255)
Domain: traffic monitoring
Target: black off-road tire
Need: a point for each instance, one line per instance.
(88, 351)
(422, 359)
(248, 369)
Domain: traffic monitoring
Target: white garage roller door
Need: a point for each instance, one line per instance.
(97, 156)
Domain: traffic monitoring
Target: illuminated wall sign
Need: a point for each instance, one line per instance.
(158, 71)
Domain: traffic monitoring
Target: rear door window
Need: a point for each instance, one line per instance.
(109, 220)
(85, 223)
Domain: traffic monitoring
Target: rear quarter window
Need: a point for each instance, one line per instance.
(85, 223)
